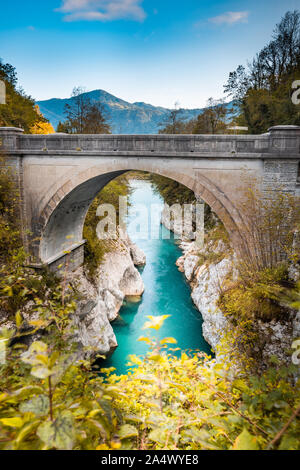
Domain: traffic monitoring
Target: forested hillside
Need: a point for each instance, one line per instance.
(263, 89)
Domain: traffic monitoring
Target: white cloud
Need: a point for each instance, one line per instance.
(231, 17)
(102, 10)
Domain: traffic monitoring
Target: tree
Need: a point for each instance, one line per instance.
(213, 119)
(263, 90)
(20, 109)
(41, 127)
(173, 123)
(63, 127)
(8, 73)
(238, 84)
(84, 116)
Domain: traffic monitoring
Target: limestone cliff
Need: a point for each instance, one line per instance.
(98, 302)
(117, 278)
(206, 278)
(206, 270)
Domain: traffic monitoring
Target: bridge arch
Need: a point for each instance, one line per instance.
(59, 225)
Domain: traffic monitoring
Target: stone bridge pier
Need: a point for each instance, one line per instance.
(59, 175)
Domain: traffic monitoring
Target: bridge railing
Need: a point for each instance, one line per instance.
(280, 139)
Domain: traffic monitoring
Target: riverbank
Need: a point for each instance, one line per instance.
(116, 279)
(209, 272)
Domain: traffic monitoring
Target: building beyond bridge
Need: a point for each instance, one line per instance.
(59, 175)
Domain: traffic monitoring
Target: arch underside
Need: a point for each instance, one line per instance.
(60, 224)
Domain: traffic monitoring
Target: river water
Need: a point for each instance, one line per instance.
(166, 290)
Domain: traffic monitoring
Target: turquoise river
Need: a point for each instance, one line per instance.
(166, 290)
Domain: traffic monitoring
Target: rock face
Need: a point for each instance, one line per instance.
(93, 332)
(117, 278)
(171, 223)
(99, 302)
(206, 270)
(206, 278)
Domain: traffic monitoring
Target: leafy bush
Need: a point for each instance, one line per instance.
(271, 220)
(52, 401)
(256, 298)
(10, 239)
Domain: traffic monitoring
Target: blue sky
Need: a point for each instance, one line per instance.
(154, 51)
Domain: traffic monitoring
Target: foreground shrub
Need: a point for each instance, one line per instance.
(51, 401)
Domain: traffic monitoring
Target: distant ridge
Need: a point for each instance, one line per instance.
(124, 117)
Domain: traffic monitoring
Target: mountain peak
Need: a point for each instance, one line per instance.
(124, 117)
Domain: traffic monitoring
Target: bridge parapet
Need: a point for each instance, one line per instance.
(283, 141)
(9, 138)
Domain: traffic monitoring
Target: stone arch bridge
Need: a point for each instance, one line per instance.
(59, 175)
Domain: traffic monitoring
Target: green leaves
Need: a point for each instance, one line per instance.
(38, 405)
(36, 354)
(289, 443)
(37, 357)
(58, 434)
(158, 435)
(12, 422)
(245, 441)
(127, 431)
(43, 365)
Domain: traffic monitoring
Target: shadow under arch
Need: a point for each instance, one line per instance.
(59, 226)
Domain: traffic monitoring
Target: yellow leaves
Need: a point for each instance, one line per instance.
(146, 340)
(94, 413)
(184, 357)
(19, 319)
(240, 385)
(8, 290)
(3, 397)
(135, 360)
(43, 359)
(27, 429)
(12, 422)
(115, 445)
(43, 128)
(155, 357)
(155, 323)
(168, 341)
(158, 435)
(102, 447)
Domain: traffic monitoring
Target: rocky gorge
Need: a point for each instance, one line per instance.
(117, 278)
(206, 271)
